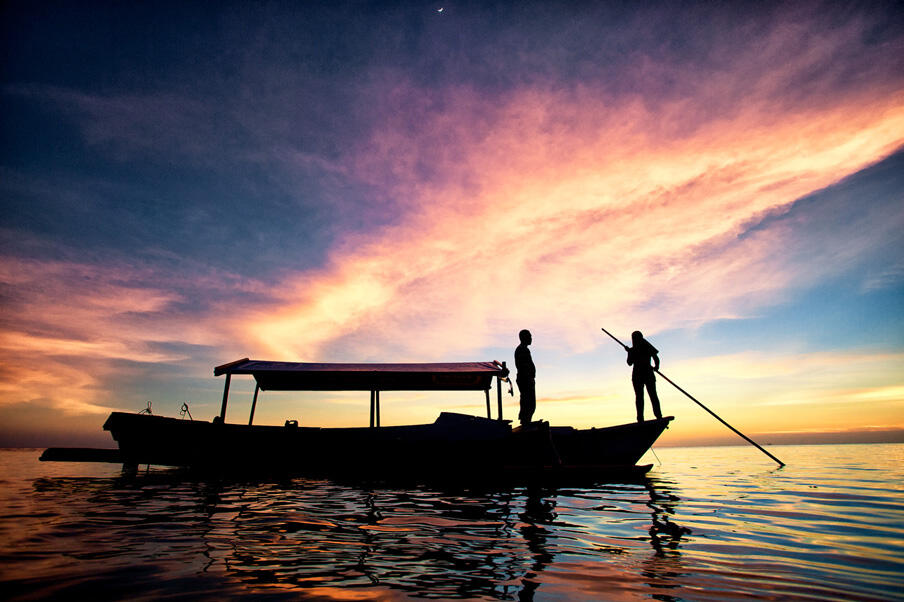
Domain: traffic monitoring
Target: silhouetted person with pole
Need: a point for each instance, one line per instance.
(524, 364)
(639, 356)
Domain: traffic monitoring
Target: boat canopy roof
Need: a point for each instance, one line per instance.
(299, 376)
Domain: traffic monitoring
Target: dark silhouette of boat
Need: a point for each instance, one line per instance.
(453, 445)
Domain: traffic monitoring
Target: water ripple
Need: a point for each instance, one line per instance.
(710, 524)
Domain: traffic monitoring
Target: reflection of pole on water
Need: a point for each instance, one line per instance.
(663, 569)
(665, 535)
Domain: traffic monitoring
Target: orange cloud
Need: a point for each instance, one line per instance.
(67, 323)
(553, 209)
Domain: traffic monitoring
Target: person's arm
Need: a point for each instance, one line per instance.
(656, 362)
(630, 356)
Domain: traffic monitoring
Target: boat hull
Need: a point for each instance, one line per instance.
(454, 444)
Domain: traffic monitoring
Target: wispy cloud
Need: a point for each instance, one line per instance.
(530, 170)
(67, 325)
(553, 205)
(883, 277)
(774, 364)
(533, 225)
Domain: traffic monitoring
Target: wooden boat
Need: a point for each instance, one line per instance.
(454, 444)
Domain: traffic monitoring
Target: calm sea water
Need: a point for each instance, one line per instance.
(708, 524)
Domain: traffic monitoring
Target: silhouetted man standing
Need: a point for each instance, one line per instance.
(639, 356)
(524, 364)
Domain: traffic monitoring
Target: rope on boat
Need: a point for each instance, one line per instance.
(655, 455)
(147, 410)
(185, 411)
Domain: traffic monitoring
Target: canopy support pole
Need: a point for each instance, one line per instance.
(257, 389)
(378, 408)
(488, 404)
(499, 395)
(225, 397)
(372, 406)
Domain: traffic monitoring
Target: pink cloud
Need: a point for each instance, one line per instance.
(554, 209)
(67, 324)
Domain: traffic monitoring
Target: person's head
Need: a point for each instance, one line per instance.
(636, 337)
(525, 337)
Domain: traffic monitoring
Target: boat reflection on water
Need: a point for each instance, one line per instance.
(322, 537)
(165, 531)
(712, 525)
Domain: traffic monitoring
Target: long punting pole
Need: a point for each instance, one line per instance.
(697, 401)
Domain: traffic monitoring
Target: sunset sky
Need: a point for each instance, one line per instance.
(381, 182)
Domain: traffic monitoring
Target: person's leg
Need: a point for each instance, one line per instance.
(530, 402)
(638, 398)
(529, 412)
(654, 398)
(521, 401)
